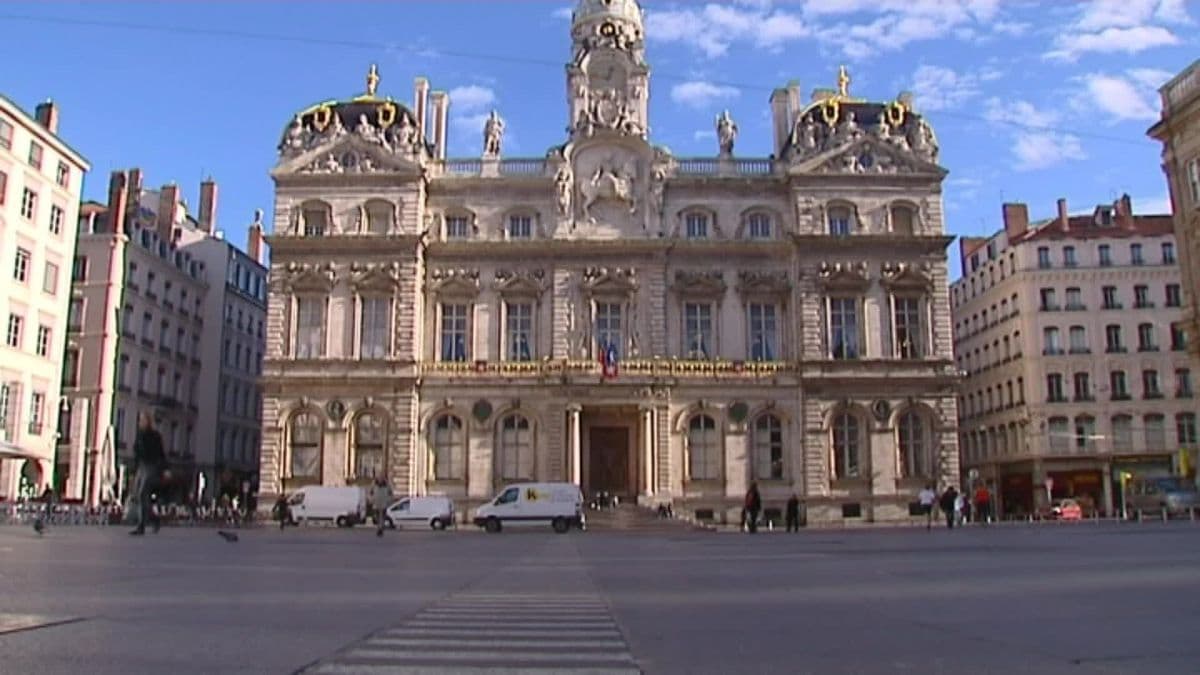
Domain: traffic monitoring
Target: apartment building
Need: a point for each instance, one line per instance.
(41, 178)
(1068, 330)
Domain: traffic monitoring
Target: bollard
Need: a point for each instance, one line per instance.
(1139, 515)
(1165, 515)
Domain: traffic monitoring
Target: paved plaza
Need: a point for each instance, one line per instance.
(1064, 598)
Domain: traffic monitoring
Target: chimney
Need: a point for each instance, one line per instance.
(1064, 220)
(47, 115)
(254, 238)
(208, 206)
(168, 198)
(441, 112)
(1123, 207)
(1016, 220)
(133, 189)
(421, 106)
(780, 118)
(118, 200)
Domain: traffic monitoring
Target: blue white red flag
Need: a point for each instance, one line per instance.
(609, 367)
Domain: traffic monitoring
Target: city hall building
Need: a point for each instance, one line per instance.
(663, 328)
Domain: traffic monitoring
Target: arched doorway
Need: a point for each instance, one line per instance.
(31, 478)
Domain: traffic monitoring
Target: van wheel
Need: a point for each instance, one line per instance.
(492, 525)
(437, 524)
(560, 525)
(343, 521)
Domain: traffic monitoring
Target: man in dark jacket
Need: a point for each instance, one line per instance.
(949, 497)
(151, 462)
(753, 506)
(793, 514)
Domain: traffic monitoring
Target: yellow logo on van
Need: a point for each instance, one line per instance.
(531, 495)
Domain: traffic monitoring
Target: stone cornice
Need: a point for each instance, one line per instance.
(341, 243)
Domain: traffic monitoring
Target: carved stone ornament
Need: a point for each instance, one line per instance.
(481, 410)
(609, 180)
(310, 276)
(766, 282)
(727, 131)
(881, 409)
(699, 282)
(839, 274)
(530, 282)
(906, 274)
(455, 280)
(380, 276)
(610, 110)
(619, 278)
(336, 410)
(868, 158)
(348, 161)
(738, 411)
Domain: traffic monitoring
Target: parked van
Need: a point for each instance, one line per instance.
(436, 511)
(1175, 495)
(559, 505)
(346, 506)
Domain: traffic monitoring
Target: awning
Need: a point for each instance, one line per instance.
(8, 451)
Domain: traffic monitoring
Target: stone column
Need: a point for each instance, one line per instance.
(647, 436)
(574, 442)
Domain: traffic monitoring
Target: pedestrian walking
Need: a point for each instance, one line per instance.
(983, 504)
(949, 499)
(960, 509)
(45, 511)
(792, 513)
(381, 499)
(151, 463)
(927, 497)
(753, 506)
(282, 511)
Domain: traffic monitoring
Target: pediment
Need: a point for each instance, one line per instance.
(454, 281)
(708, 283)
(609, 280)
(868, 156)
(904, 275)
(520, 282)
(310, 277)
(845, 275)
(349, 154)
(382, 277)
(763, 282)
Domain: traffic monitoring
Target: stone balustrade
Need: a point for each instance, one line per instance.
(629, 368)
(687, 166)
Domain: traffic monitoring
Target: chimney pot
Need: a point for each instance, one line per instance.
(208, 206)
(46, 114)
(1016, 219)
(441, 111)
(780, 118)
(421, 106)
(168, 200)
(118, 196)
(1064, 220)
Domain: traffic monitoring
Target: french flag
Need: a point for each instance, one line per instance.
(608, 361)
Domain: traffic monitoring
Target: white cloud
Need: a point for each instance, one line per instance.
(564, 13)
(701, 94)
(1120, 97)
(471, 97)
(941, 88)
(469, 108)
(1019, 113)
(704, 135)
(1069, 46)
(869, 27)
(1041, 150)
(1151, 78)
(713, 28)
(1156, 205)
(1100, 14)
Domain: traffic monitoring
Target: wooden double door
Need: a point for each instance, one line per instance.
(609, 462)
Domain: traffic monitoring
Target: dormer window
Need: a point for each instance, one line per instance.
(316, 219)
(904, 222)
(520, 227)
(696, 225)
(379, 216)
(758, 226)
(458, 227)
(839, 221)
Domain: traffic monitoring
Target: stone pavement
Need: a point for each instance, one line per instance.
(1056, 598)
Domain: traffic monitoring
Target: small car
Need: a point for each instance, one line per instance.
(435, 511)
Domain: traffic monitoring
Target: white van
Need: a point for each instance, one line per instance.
(559, 505)
(435, 511)
(346, 506)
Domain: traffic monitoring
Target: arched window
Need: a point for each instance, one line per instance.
(840, 221)
(704, 449)
(696, 225)
(449, 458)
(305, 439)
(369, 456)
(903, 219)
(768, 448)
(515, 461)
(378, 215)
(847, 445)
(316, 218)
(758, 225)
(914, 445)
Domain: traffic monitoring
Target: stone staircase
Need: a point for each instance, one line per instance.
(634, 518)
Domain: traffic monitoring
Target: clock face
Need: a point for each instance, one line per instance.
(608, 29)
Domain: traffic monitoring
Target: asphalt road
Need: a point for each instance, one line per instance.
(1066, 598)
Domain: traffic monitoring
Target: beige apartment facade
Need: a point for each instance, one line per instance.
(661, 328)
(1068, 330)
(1179, 132)
(41, 178)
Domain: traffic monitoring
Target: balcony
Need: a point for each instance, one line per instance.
(1080, 350)
(1113, 305)
(1183, 393)
(1050, 307)
(1052, 351)
(1076, 307)
(1114, 349)
(1152, 395)
(1121, 396)
(633, 367)
(1147, 348)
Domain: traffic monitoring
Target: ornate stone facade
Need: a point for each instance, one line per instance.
(668, 329)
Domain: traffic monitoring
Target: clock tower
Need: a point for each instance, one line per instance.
(607, 79)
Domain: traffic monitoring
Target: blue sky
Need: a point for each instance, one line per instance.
(1031, 101)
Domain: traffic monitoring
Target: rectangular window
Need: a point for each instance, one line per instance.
(1083, 387)
(1141, 297)
(1075, 299)
(143, 377)
(1183, 383)
(696, 226)
(1043, 254)
(1110, 298)
(35, 155)
(608, 326)
(843, 328)
(518, 331)
(147, 327)
(37, 409)
(1174, 296)
(123, 372)
(1112, 339)
(1078, 336)
(1049, 300)
(164, 335)
(454, 334)
(375, 329)
(15, 322)
(1105, 255)
(43, 340)
(764, 340)
(1069, 259)
(1178, 338)
(839, 222)
(1054, 388)
(1135, 255)
(56, 219)
(310, 327)
(759, 226)
(1168, 253)
(1193, 175)
(457, 227)
(62, 175)
(21, 265)
(1119, 385)
(3, 188)
(910, 333)
(50, 278)
(697, 330)
(520, 227)
(1051, 344)
(1150, 388)
(1185, 429)
(6, 134)
(1146, 338)
(315, 222)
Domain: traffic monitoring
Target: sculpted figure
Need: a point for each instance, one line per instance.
(727, 132)
(493, 134)
(296, 140)
(332, 165)
(658, 186)
(882, 129)
(335, 128)
(847, 128)
(564, 188)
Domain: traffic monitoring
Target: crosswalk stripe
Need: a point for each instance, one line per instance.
(492, 656)
(461, 643)
(597, 633)
(335, 668)
(576, 625)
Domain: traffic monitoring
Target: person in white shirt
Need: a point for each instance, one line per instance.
(927, 497)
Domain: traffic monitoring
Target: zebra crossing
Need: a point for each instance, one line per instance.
(496, 634)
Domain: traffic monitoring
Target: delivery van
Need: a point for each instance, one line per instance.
(559, 505)
(436, 511)
(346, 506)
